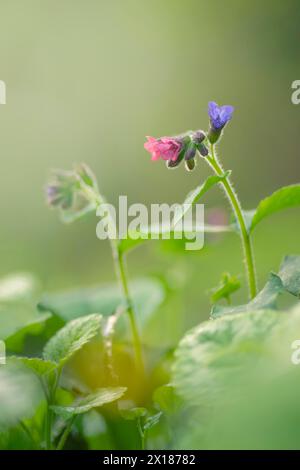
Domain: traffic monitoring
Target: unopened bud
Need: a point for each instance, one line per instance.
(190, 164)
(203, 150)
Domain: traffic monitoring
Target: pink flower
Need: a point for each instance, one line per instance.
(165, 148)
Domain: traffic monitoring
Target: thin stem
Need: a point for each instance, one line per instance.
(28, 433)
(142, 434)
(65, 434)
(49, 413)
(121, 270)
(48, 427)
(245, 237)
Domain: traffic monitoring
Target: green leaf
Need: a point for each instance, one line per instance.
(283, 198)
(72, 337)
(20, 394)
(18, 315)
(228, 285)
(39, 366)
(152, 421)
(197, 193)
(167, 399)
(32, 327)
(288, 279)
(216, 353)
(147, 295)
(94, 400)
(131, 414)
(289, 274)
(265, 299)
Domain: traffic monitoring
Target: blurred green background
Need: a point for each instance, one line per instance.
(87, 80)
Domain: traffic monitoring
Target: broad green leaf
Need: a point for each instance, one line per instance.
(215, 353)
(227, 286)
(147, 295)
(72, 337)
(283, 198)
(32, 327)
(18, 315)
(194, 196)
(39, 366)
(265, 299)
(94, 400)
(135, 238)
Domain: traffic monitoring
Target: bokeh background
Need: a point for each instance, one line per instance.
(87, 80)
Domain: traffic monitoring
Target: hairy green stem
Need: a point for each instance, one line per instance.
(245, 236)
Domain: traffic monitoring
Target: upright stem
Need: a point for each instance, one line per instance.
(65, 434)
(245, 237)
(118, 259)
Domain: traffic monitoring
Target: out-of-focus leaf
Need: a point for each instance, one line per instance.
(289, 274)
(135, 238)
(34, 326)
(18, 287)
(132, 414)
(283, 198)
(94, 400)
(214, 353)
(20, 393)
(147, 295)
(72, 337)
(167, 399)
(39, 366)
(18, 314)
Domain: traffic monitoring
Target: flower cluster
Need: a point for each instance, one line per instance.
(175, 149)
(72, 190)
(185, 146)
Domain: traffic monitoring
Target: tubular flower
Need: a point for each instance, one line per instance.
(218, 116)
(166, 148)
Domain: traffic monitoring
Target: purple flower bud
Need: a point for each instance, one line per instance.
(218, 116)
(203, 150)
(190, 152)
(198, 137)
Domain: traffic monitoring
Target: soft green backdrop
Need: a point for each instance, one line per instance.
(87, 80)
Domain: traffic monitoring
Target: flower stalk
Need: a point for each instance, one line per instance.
(236, 206)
